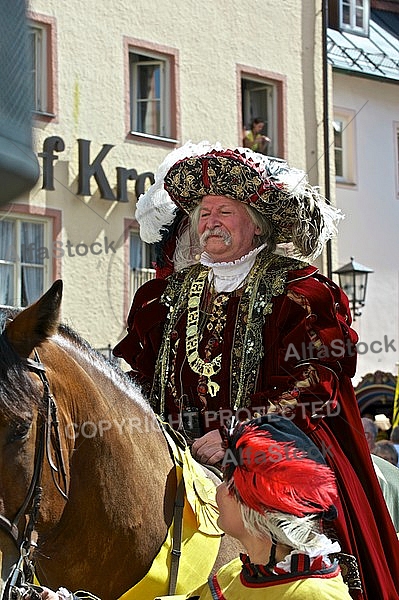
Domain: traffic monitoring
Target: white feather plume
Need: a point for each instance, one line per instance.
(155, 210)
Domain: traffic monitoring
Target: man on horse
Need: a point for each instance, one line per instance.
(244, 325)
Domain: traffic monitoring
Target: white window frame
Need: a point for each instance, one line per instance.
(152, 58)
(353, 9)
(14, 256)
(39, 38)
(268, 113)
(347, 148)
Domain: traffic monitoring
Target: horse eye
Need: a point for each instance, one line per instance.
(19, 432)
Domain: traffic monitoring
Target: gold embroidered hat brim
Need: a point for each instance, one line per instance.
(230, 173)
(296, 210)
(226, 173)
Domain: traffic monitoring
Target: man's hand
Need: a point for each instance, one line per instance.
(208, 449)
(48, 594)
(35, 592)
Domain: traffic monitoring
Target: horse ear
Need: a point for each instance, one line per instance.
(35, 324)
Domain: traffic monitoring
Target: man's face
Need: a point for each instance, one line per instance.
(225, 228)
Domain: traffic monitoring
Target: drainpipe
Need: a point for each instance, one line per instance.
(326, 127)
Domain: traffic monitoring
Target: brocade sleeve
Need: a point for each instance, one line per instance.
(315, 352)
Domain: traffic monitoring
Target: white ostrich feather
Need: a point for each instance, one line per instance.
(155, 210)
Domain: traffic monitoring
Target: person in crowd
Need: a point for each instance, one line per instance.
(388, 476)
(254, 138)
(251, 327)
(277, 497)
(394, 437)
(386, 450)
(370, 432)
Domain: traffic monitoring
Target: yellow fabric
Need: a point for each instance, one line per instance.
(200, 540)
(252, 139)
(395, 417)
(175, 597)
(316, 588)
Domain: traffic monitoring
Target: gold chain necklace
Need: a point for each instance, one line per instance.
(266, 280)
(205, 368)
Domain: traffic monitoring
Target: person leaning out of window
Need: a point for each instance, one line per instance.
(254, 139)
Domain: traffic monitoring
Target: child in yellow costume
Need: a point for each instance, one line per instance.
(277, 494)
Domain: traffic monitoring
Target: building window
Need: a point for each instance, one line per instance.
(142, 258)
(152, 93)
(38, 37)
(263, 96)
(42, 41)
(24, 260)
(338, 147)
(354, 16)
(344, 146)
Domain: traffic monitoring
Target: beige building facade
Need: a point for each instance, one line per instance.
(118, 86)
(364, 54)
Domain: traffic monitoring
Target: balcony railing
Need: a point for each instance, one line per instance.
(138, 277)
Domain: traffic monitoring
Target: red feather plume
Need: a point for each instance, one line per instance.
(272, 475)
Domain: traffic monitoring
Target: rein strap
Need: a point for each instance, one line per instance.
(177, 537)
(47, 423)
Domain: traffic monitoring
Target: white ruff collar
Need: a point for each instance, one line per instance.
(228, 276)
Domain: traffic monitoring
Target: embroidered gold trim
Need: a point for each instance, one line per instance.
(266, 280)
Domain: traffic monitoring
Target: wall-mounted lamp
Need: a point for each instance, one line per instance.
(353, 280)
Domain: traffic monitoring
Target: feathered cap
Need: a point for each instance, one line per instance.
(296, 210)
(271, 465)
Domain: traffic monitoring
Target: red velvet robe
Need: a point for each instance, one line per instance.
(309, 326)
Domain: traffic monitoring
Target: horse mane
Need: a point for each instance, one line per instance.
(99, 361)
(16, 385)
(77, 340)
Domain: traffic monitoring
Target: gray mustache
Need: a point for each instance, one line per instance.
(226, 237)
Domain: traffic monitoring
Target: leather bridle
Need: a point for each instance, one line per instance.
(47, 441)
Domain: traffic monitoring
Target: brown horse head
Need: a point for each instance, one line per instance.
(85, 469)
(20, 403)
(37, 323)
(107, 478)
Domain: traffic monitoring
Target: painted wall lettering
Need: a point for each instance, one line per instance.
(92, 168)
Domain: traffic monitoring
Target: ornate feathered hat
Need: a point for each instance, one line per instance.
(271, 465)
(283, 194)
